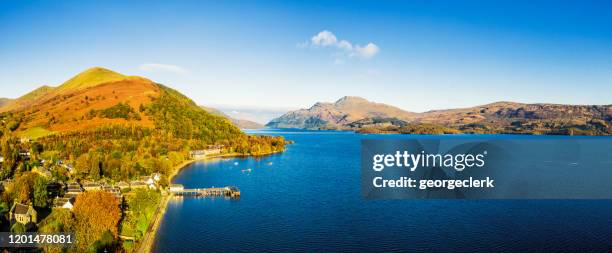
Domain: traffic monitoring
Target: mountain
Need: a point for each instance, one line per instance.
(99, 97)
(358, 114)
(338, 114)
(241, 123)
(510, 117)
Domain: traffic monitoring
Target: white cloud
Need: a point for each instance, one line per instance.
(343, 44)
(344, 48)
(369, 51)
(158, 67)
(324, 38)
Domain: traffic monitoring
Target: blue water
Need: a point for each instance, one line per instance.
(308, 199)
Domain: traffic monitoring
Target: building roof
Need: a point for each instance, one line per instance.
(74, 189)
(59, 202)
(20, 208)
(71, 195)
(91, 185)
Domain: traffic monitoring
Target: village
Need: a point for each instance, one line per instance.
(62, 194)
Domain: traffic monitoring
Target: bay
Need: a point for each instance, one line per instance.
(308, 199)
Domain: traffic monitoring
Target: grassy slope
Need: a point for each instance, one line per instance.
(35, 133)
(90, 78)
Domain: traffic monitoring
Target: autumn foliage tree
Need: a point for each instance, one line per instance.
(96, 213)
(23, 191)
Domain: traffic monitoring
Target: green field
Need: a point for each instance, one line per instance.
(35, 133)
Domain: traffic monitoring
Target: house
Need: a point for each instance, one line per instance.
(122, 185)
(115, 191)
(92, 187)
(197, 154)
(74, 188)
(23, 214)
(1, 159)
(210, 150)
(65, 202)
(73, 185)
(176, 187)
(71, 195)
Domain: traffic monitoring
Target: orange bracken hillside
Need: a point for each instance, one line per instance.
(70, 105)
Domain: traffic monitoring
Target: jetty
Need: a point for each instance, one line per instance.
(228, 191)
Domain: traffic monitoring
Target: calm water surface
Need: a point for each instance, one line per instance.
(308, 199)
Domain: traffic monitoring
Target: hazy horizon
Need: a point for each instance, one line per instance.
(415, 56)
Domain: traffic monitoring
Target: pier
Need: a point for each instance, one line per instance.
(228, 191)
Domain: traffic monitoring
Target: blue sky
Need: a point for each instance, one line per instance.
(417, 55)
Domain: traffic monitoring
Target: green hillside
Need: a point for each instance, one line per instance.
(90, 78)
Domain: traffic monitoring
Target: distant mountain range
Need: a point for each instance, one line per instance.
(241, 123)
(359, 114)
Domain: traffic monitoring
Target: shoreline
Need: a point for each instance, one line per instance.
(146, 245)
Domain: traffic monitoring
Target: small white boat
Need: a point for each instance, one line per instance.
(247, 171)
(235, 163)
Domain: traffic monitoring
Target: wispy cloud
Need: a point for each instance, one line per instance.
(158, 67)
(343, 48)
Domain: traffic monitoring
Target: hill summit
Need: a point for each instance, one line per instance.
(90, 78)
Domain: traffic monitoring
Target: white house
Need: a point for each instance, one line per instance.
(66, 202)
